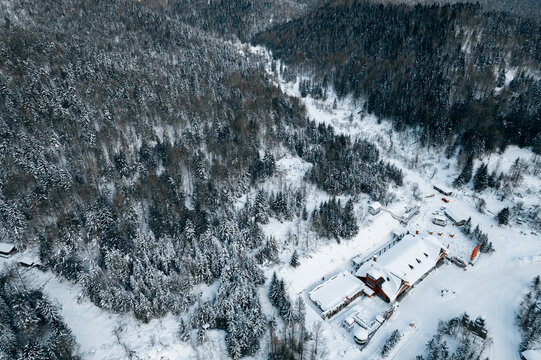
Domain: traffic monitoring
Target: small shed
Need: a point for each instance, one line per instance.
(30, 261)
(443, 189)
(7, 249)
(374, 208)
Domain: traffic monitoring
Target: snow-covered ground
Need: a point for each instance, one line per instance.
(103, 335)
(492, 288)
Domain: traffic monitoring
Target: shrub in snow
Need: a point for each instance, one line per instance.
(481, 205)
(529, 316)
(391, 342)
(470, 337)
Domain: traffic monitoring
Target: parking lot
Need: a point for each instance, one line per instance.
(367, 313)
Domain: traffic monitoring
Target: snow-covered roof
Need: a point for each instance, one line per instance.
(357, 260)
(361, 334)
(443, 188)
(456, 216)
(6, 248)
(407, 261)
(375, 205)
(333, 292)
(440, 218)
(531, 354)
(29, 260)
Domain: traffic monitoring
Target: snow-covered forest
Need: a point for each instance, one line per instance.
(183, 173)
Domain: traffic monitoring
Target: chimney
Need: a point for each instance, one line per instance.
(375, 258)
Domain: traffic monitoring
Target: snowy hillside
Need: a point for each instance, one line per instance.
(168, 191)
(492, 288)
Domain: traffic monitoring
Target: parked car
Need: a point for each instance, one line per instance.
(458, 261)
(439, 220)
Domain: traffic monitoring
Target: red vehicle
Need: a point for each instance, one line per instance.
(444, 200)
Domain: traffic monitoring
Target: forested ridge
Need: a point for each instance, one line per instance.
(450, 69)
(136, 146)
(237, 19)
(30, 325)
(127, 136)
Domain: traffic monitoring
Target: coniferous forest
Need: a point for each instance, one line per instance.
(442, 68)
(138, 139)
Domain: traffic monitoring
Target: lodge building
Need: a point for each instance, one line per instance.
(401, 267)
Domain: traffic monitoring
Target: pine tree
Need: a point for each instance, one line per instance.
(432, 349)
(503, 216)
(183, 331)
(261, 208)
(201, 336)
(304, 213)
(466, 228)
(300, 310)
(444, 351)
(269, 164)
(350, 227)
(493, 180)
(279, 206)
(273, 289)
(466, 174)
(294, 259)
(480, 179)
(515, 172)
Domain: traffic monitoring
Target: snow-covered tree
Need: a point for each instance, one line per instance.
(503, 216)
(294, 262)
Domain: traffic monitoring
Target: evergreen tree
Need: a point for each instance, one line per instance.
(300, 310)
(304, 213)
(466, 174)
(201, 336)
(261, 208)
(294, 259)
(493, 180)
(350, 227)
(183, 331)
(273, 289)
(503, 216)
(466, 228)
(480, 179)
